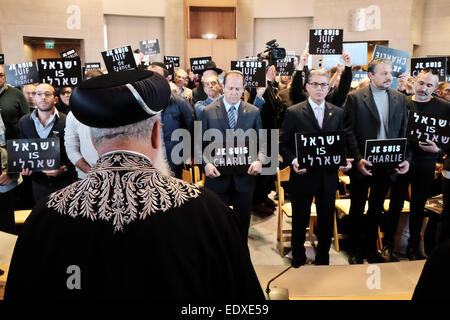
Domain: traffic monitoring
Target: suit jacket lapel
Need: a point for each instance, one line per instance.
(242, 112)
(370, 103)
(392, 104)
(327, 117)
(222, 116)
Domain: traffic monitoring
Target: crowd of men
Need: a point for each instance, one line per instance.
(309, 101)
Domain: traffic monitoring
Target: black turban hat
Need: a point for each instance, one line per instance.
(120, 98)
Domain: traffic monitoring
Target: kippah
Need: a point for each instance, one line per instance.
(119, 98)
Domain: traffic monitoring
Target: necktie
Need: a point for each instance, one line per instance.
(231, 117)
(319, 116)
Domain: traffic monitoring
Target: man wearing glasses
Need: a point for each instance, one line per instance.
(314, 115)
(213, 90)
(12, 106)
(47, 122)
(374, 112)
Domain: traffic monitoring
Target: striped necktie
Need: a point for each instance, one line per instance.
(231, 117)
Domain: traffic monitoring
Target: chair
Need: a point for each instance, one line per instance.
(284, 234)
(21, 215)
(192, 175)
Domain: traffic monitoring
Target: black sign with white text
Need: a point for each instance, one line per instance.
(254, 72)
(438, 63)
(149, 47)
(198, 65)
(285, 67)
(424, 126)
(399, 58)
(170, 68)
(21, 74)
(92, 66)
(326, 41)
(358, 75)
(33, 154)
(119, 59)
(174, 59)
(320, 149)
(71, 53)
(60, 72)
(385, 152)
(232, 158)
(2, 58)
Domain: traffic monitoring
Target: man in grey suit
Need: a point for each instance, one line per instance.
(230, 113)
(374, 112)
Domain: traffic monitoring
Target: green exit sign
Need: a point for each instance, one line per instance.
(49, 45)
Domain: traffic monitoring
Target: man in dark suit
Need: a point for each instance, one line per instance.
(374, 112)
(46, 122)
(314, 115)
(230, 113)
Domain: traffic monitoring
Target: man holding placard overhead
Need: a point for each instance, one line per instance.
(314, 115)
(374, 112)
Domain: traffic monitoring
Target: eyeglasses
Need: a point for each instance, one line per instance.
(2, 74)
(46, 94)
(66, 93)
(212, 83)
(315, 85)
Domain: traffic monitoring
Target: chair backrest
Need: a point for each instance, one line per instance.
(199, 178)
(282, 175)
(186, 175)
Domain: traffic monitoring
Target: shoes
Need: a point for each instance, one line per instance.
(263, 209)
(375, 257)
(355, 260)
(388, 255)
(298, 262)
(415, 254)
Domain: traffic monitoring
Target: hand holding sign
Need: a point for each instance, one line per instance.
(429, 146)
(403, 167)
(211, 171)
(361, 165)
(347, 167)
(303, 59)
(297, 168)
(255, 168)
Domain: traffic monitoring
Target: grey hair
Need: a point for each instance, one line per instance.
(319, 72)
(373, 64)
(141, 129)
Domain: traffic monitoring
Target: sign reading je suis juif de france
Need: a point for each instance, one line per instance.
(438, 63)
(231, 157)
(149, 47)
(399, 58)
(254, 72)
(174, 59)
(285, 67)
(119, 59)
(60, 72)
(33, 154)
(92, 66)
(71, 53)
(320, 149)
(423, 126)
(22, 74)
(326, 41)
(198, 65)
(385, 152)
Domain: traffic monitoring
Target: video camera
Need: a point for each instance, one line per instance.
(272, 52)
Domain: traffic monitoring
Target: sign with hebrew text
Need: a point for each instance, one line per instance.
(33, 154)
(320, 149)
(425, 126)
(60, 72)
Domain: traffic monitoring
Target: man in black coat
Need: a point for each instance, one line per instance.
(374, 112)
(312, 116)
(229, 114)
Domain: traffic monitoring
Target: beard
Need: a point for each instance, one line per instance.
(160, 163)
